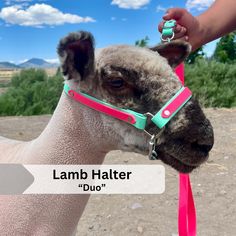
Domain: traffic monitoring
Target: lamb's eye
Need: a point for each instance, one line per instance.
(117, 83)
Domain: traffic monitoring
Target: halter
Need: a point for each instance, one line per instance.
(138, 120)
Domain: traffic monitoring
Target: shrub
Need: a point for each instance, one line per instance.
(31, 92)
(213, 83)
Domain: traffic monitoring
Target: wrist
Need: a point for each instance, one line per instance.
(203, 32)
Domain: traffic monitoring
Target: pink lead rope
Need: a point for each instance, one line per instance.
(187, 214)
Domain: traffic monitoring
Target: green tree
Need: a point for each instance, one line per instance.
(142, 42)
(198, 54)
(226, 49)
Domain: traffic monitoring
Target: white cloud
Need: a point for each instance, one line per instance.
(23, 61)
(18, 2)
(54, 60)
(39, 15)
(9, 2)
(130, 4)
(161, 8)
(198, 4)
(118, 19)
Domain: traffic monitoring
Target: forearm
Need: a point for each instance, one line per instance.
(218, 20)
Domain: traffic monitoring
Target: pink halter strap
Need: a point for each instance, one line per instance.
(187, 214)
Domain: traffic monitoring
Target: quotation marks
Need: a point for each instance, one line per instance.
(91, 188)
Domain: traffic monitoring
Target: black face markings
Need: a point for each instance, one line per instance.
(77, 53)
(121, 80)
(82, 52)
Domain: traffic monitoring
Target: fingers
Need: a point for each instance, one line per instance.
(180, 32)
(185, 38)
(174, 13)
(160, 26)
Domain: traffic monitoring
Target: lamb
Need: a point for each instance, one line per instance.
(141, 79)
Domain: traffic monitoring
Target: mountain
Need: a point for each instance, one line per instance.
(8, 65)
(32, 63)
(37, 63)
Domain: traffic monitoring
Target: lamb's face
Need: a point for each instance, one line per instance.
(142, 80)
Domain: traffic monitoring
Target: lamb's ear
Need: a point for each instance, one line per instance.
(76, 54)
(175, 51)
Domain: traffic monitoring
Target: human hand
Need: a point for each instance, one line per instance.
(187, 28)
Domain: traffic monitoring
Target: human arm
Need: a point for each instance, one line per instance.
(218, 20)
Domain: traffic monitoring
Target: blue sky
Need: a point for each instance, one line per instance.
(32, 28)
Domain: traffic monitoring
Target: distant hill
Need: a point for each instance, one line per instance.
(8, 65)
(32, 63)
(37, 63)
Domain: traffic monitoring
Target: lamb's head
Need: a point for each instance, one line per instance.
(142, 80)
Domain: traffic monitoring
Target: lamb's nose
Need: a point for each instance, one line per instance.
(205, 138)
(202, 147)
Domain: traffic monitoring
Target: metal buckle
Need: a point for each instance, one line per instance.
(152, 143)
(152, 153)
(148, 114)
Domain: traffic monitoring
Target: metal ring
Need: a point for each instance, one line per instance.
(153, 135)
(168, 39)
(149, 114)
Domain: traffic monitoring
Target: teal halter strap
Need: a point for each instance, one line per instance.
(138, 120)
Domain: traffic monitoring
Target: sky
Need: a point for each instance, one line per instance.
(33, 28)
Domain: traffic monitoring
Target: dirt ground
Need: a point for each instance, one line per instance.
(214, 187)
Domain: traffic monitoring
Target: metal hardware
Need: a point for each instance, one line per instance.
(168, 31)
(153, 140)
(148, 114)
(167, 39)
(152, 153)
